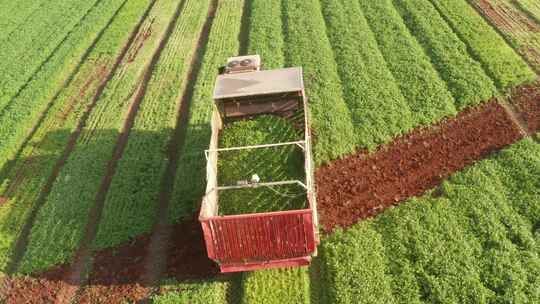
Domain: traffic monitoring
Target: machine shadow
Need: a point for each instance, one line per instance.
(123, 264)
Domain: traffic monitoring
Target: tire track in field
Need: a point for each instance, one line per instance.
(22, 241)
(158, 250)
(83, 255)
(9, 166)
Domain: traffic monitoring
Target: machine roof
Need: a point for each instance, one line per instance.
(258, 83)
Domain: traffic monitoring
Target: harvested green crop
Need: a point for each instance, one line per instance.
(270, 164)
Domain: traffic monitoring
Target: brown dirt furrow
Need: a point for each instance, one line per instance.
(119, 272)
(363, 185)
(187, 258)
(116, 274)
(41, 289)
(526, 100)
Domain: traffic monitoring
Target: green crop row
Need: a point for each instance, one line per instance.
(476, 241)
(23, 184)
(464, 76)
(131, 203)
(45, 31)
(281, 163)
(379, 110)
(15, 13)
(531, 7)
(306, 45)
(500, 62)
(266, 33)
(515, 26)
(190, 179)
(20, 116)
(199, 292)
(425, 92)
(61, 222)
(288, 285)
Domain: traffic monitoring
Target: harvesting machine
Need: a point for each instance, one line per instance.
(284, 238)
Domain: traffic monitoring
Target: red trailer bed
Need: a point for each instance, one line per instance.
(259, 240)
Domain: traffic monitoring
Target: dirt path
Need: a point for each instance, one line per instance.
(526, 102)
(363, 185)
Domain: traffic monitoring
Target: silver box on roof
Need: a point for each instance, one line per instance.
(259, 83)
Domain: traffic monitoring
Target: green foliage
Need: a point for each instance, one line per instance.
(266, 33)
(288, 285)
(131, 204)
(270, 164)
(190, 179)
(37, 159)
(500, 62)
(425, 92)
(10, 21)
(306, 45)
(464, 76)
(20, 115)
(200, 292)
(531, 7)
(476, 243)
(60, 223)
(354, 267)
(45, 31)
(512, 19)
(379, 111)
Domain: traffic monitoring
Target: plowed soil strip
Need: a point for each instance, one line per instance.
(362, 185)
(527, 102)
(33, 290)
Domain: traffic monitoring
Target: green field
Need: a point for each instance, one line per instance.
(105, 110)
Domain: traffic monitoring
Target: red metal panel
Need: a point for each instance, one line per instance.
(310, 232)
(208, 239)
(260, 238)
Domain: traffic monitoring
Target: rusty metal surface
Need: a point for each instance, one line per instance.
(258, 83)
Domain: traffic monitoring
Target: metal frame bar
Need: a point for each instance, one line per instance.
(267, 184)
(299, 143)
